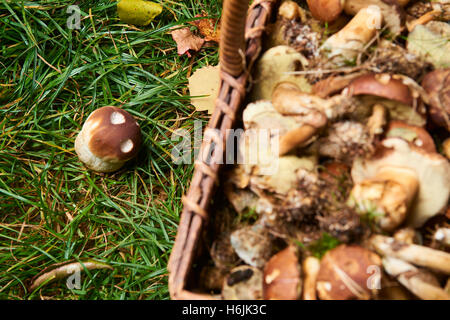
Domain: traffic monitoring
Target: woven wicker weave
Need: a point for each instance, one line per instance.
(241, 36)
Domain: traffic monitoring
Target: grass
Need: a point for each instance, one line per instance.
(52, 209)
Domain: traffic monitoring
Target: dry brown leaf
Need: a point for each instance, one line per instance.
(208, 28)
(186, 41)
(204, 82)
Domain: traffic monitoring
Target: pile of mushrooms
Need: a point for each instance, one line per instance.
(347, 137)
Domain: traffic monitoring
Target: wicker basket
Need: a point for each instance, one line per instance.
(241, 41)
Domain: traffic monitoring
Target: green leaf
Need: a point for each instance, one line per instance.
(138, 12)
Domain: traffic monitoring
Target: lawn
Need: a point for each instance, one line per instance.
(52, 209)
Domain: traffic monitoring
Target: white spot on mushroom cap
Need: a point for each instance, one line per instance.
(117, 118)
(126, 146)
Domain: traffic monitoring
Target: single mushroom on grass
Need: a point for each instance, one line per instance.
(109, 138)
(282, 276)
(345, 274)
(401, 181)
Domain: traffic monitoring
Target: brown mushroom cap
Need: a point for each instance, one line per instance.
(282, 276)
(344, 273)
(109, 138)
(432, 172)
(382, 85)
(413, 134)
(437, 84)
(326, 10)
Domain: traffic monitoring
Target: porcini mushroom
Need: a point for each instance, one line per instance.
(423, 284)
(282, 278)
(311, 267)
(418, 136)
(345, 272)
(329, 10)
(401, 180)
(109, 138)
(346, 44)
(385, 89)
(419, 255)
(275, 66)
(243, 283)
(252, 244)
(437, 84)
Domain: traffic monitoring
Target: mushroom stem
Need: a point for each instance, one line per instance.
(377, 121)
(352, 39)
(418, 255)
(390, 193)
(296, 138)
(443, 236)
(289, 100)
(427, 17)
(311, 267)
(422, 284)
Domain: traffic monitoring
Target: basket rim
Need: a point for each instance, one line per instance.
(196, 202)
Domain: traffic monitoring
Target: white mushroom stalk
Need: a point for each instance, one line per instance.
(415, 254)
(311, 268)
(349, 42)
(422, 284)
(401, 182)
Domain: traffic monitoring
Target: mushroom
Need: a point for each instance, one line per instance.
(109, 138)
(345, 273)
(295, 28)
(350, 41)
(423, 284)
(415, 135)
(419, 255)
(437, 84)
(329, 10)
(345, 140)
(282, 278)
(408, 235)
(243, 283)
(443, 236)
(252, 244)
(400, 99)
(430, 42)
(275, 66)
(311, 267)
(401, 181)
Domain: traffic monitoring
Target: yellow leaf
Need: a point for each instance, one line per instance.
(204, 82)
(138, 12)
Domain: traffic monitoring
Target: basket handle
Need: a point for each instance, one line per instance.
(232, 38)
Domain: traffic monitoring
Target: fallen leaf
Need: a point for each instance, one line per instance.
(186, 41)
(63, 270)
(204, 88)
(138, 12)
(208, 28)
